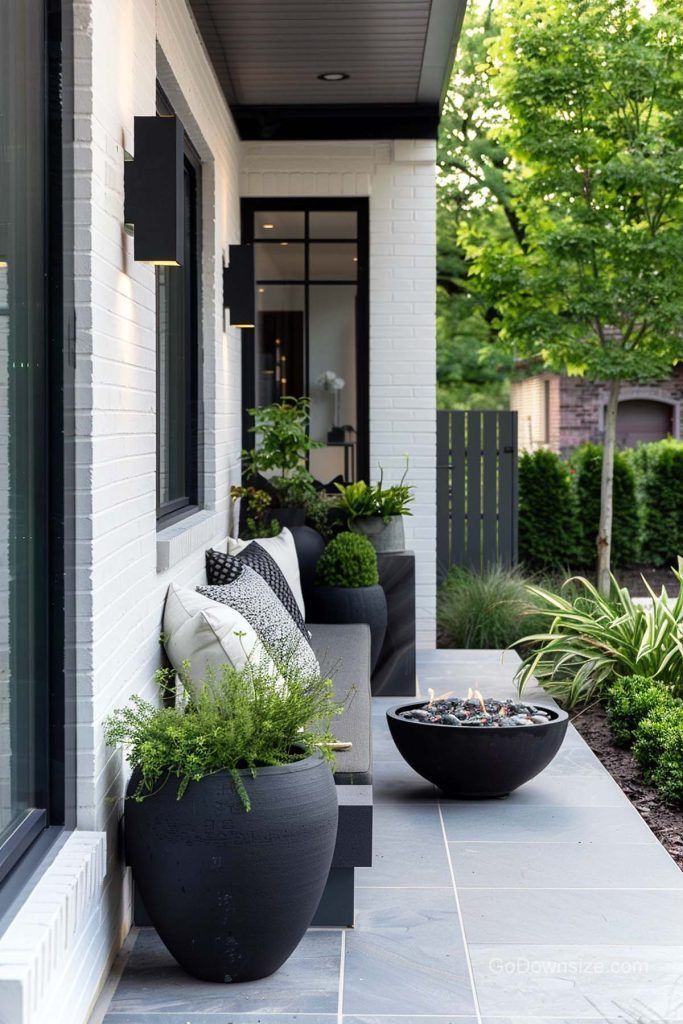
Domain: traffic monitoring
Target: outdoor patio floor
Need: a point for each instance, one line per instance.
(555, 905)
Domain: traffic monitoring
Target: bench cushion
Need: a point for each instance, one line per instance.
(344, 654)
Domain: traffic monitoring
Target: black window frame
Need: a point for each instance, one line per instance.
(361, 206)
(32, 838)
(173, 511)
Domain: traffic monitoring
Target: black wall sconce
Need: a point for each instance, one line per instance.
(154, 186)
(239, 286)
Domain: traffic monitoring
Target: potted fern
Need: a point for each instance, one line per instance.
(376, 511)
(348, 587)
(231, 815)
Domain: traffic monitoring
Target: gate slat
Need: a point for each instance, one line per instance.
(490, 499)
(443, 494)
(507, 450)
(474, 490)
(458, 511)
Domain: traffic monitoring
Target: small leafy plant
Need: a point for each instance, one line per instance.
(349, 560)
(592, 640)
(237, 719)
(257, 502)
(282, 445)
(360, 500)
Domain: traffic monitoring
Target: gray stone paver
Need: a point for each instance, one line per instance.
(565, 908)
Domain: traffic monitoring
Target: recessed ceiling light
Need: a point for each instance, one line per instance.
(284, 243)
(261, 290)
(268, 227)
(355, 259)
(333, 76)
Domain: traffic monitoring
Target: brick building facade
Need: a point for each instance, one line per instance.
(562, 412)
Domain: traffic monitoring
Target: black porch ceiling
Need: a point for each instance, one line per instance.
(268, 55)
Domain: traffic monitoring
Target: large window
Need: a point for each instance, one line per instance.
(311, 334)
(178, 405)
(31, 753)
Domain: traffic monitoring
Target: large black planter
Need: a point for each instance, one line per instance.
(231, 893)
(289, 516)
(309, 546)
(474, 763)
(353, 604)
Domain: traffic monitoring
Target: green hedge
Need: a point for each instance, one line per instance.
(659, 475)
(642, 712)
(586, 462)
(548, 515)
(559, 506)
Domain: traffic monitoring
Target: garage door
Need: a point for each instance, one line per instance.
(643, 419)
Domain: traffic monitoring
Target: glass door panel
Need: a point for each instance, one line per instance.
(312, 324)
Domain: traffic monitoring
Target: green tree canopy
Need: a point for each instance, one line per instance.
(577, 260)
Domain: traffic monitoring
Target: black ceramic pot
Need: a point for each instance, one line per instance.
(231, 893)
(309, 546)
(470, 762)
(353, 604)
(289, 516)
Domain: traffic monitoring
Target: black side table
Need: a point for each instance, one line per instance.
(395, 671)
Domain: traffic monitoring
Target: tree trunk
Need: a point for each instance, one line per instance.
(604, 541)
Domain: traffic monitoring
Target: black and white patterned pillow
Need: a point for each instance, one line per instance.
(221, 569)
(248, 593)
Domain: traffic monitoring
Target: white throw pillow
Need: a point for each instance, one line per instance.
(283, 551)
(209, 634)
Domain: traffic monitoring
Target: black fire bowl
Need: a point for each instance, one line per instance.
(476, 763)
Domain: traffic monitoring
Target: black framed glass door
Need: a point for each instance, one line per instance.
(311, 334)
(30, 754)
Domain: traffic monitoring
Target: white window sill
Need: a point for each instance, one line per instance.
(177, 542)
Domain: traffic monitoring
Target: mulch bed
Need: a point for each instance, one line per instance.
(632, 579)
(666, 822)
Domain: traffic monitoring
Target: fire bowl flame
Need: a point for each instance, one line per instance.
(487, 753)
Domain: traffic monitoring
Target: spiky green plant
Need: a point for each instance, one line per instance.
(592, 640)
(238, 718)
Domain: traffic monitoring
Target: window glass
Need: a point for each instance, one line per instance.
(333, 224)
(177, 368)
(332, 262)
(280, 342)
(280, 224)
(283, 261)
(24, 512)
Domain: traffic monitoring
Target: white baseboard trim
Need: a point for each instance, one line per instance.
(38, 949)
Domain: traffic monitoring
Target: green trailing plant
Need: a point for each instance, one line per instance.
(257, 503)
(630, 700)
(586, 462)
(488, 610)
(548, 513)
(349, 560)
(592, 640)
(659, 481)
(238, 718)
(282, 444)
(658, 749)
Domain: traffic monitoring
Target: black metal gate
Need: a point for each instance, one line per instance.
(476, 489)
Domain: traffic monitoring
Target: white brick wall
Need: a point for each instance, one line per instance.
(399, 178)
(121, 49)
(122, 572)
